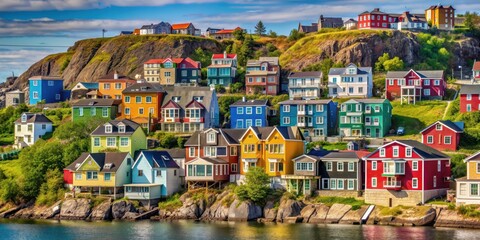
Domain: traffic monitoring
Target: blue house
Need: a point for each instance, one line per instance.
(155, 175)
(246, 113)
(317, 118)
(49, 89)
(223, 69)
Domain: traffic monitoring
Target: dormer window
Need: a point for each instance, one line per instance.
(176, 99)
(24, 117)
(438, 127)
(211, 137)
(198, 98)
(108, 166)
(108, 128)
(121, 128)
(352, 71)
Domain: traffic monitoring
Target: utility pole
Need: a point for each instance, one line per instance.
(461, 72)
(103, 32)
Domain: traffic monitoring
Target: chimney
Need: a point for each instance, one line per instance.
(244, 99)
(224, 54)
(115, 75)
(376, 9)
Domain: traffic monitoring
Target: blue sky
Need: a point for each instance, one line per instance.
(42, 27)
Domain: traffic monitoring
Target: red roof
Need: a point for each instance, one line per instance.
(195, 104)
(180, 26)
(362, 153)
(190, 63)
(171, 104)
(163, 60)
(476, 66)
(220, 55)
(227, 31)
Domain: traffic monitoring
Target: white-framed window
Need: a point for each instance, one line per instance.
(93, 111)
(351, 166)
(469, 106)
(78, 176)
(469, 96)
(234, 167)
(426, 92)
(108, 128)
(340, 184)
(414, 182)
(319, 108)
(395, 151)
(239, 110)
(429, 139)
(408, 151)
(127, 111)
(325, 183)
(127, 99)
(104, 112)
(374, 165)
(340, 166)
(447, 140)
(92, 175)
(382, 152)
(248, 110)
(111, 142)
(329, 166)
(286, 120)
(319, 120)
(374, 182)
(211, 137)
(210, 151)
(138, 99)
(438, 127)
(96, 142)
(478, 167)
(415, 165)
(118, 85)
(350, 184)
(333, 184)
(35, 95)
(57, 96)
(35, 83)
(286, 108)
(191, 152)
(258, 122)
(436, 82)
(148, 99)
(426, 82)
(258, 110)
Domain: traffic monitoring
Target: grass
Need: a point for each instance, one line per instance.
(171, 203)
(328, 146)
(329, 201)
(404, 211)
(11, 168)
(416, 117)
(469, 211)
(100, 57)
(6, 140)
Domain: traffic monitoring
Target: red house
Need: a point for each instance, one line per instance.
(405, 172)
(375, 20)
(469, 98)
(68, 178)
(412, 86)
(476, 71)
(212, 156)
(443, 135)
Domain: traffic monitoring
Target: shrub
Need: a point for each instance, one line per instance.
(256, 186)
(51, 190)
(171, 203)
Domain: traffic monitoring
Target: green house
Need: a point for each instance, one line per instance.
(365, 118)
(88, 108)
(118, 135)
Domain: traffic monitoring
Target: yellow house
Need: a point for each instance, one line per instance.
(100, 173)
(468, 188)
(442, 17)
(271, 148)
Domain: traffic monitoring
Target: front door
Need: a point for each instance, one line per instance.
(377, 132)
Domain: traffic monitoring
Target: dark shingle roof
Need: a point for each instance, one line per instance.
(250, 103)
(130, 127)
(34, 118)
(144, 87)
(159, 159)
(318, 152)
(455, 126)
(470, 89)
(435, 74)
(343, 71)
(113, 158)
(187, 94)
(176, 152)
(232, 136)
(99, 102)
(342, 155)
(316, 74)
(424, 150)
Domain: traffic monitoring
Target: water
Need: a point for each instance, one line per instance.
(65, 230)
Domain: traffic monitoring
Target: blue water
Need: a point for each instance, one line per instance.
(65, 230)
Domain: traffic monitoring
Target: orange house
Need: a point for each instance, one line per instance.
(143, 101)
(112, 85)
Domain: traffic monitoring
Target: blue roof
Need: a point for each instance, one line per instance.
(318, 152)
(159, 159)
(90, 85)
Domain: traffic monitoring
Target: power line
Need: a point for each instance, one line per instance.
(26, 45)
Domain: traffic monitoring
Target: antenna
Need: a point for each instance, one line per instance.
(103, 32)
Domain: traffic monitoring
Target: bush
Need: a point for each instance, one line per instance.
(256, 186)
(173, 202)
(167, 140)
(9, 190)
(52, 190)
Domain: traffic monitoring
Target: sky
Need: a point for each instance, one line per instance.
(33, 29)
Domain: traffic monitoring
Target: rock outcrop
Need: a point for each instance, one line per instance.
(120, 208)
(289, 209)
(75, 209)
(451, 218)
(244, 211)
(269, 212)
(219, 209)
(418, 216)
(38, 212)
(102, 211)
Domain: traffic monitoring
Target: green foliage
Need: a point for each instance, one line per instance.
(434, 52)
(167, 140)
(329, 201)
(327, 145)
(239, 34)
(9, 190)
(8, 117)
(458, 166)
(171, 203)
(469, 211)
(245, 52)
(220, 89)
(395, 211)
(181, 142)
(73, 150)
(385, 63)
(295, 35)
(236, 87)
(256, 186)
(72, 131)
(260, 29)
(407, 116)
(51, 190)
(204, 57)
(272, 34)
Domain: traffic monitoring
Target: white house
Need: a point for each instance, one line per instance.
(30, 127)
(351, 81)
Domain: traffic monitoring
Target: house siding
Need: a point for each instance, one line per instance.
(439, 138)
(44, 92)
(474, 103)
(112, 113)
(235, 117)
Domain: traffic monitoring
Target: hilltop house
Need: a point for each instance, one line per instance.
(88, 108)
(122, 135)
(223, 69)
(221, 34)
(476, 71)
(316, 118)
(469, 98)
(112, 85)
(443, 135)
(246, 113)
(442, 17)
(351, 81)
(376, 19)
(160, 28)
(14, 98)
(405, 172)
(29, 128)
(412, 86)
(323, 22)
(305, 85)
(263, 76)
(408, 21)
(99, 173)
(183, 28)
(83, 90)
(351, 24)
(170, 71)
(189, 109)
(46, 89)
(142, 103)
(468, 186)
(365, 117)
(155, 175)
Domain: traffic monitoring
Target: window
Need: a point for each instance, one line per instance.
(140, 173)
(50, 83)
(258, 122)
(333, 184)
(438, 127)
(211, 137)
(57, 96)
(319, 120)
(447, 140)
(382, 152)
(286, 108)
(474, 189)
(469, 96)
(138, 99)
(395, 151)
(414, 182)
(374, 182)
(434, 181)
(166, 74)
(111, 142)
(329, 166)
(325, 183)
(148, 99)
(248, 110)
(304, 166)
(140, 111)
(96, 142)
(426, 82)
(340, 166)
(415, 165)
(439, 166)
(118, 85)
(275, 148)
(80, 111)
(249, 148)
(286, 120)
(104, 112)
(374, 165)
(106, 176)
(78, 176)
(239, 110)
(123, 141)
(259, 110)
(91, 175)
(35, 83)
(272, 167)
(351, 166)
(469, 108)
(426, 92)
(93, 111)
(106, 86)
(108, 128)
(340, 184)
(351, 184)
(191, 152)
(158, 173)
(210, 151)
(360, 90)
(127, 111)
(408, 152)
(429, 139)
(436, 82)
(127, 99)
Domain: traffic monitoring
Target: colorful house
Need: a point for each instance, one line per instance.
(351, 81)
(263, 76)
(178, 155)
(376, 19)
(212, 157)
(142, 103)
(30, 127)
(46, 89)
(112, 85)
(443, 135)
(412, 86)
(183, 28)
(408, 21)
(271, 148)
(468, 186)
(365, 117)
(99, 173)
(170, 71)
(155, 175)
(14, 98)
(305, 85)
(476, 71)
(223, 69)
(121, 135)
(351, 24)
(83, 90)
(316, 118)
(405, 172)
(88, 108)
(246, 113)
(442, 17)
(160, 28)
(469, 98)
(189, 109)
(221, 34)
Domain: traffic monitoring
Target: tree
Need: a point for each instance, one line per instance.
(52, 189)
(380, 61)
(239, 34)
(256, 186)
(260, 29)
(272, 34)
(472, 21)
(246, 51)
(393, 64)
(204, 57)
(295, 35)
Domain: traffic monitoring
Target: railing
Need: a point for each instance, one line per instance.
(392, 184)
(193, 120)
(393, 173)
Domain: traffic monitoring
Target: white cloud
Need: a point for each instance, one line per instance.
(18, 61)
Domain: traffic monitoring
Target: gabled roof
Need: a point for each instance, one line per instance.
(305, 102)
(220, 55)
(231, 136)
(343, 71)
(208, 159)
(171, 104)
(439, 7)
(114, 159)
(163, 60)
(470, 89)
(177, 26)
(375, 11)
(314, 74)
(250, 103)
(187, 94)
(111, 76)
(288, 133)
(176, 152)
(435, 74)
(227, 31)
(89, 85)
(351, 20)
(34, 118)
(271, 60)
(99, 102)
(144, 87)
(195, 104)
(158, 159)
(454, 126)
(421, 149)
(475, 156)
(130, 128)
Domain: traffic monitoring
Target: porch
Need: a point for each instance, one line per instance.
(299, 184)
(113, 192)
(410, 94)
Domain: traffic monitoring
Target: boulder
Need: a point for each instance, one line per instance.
(218, 211)
(120, 208)
(75, 209)
(289, 208)
(270, 212)
(354, 216)
(102, 211)
(336, 212)
(244, 211)
(189, 210)
(307, 212)
(130, 216)
(451, 218)
(320, 214)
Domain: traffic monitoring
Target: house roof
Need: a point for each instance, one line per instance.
(470, 89)
(99, 102)
(289, 133)
(34, 118)
(159, 159)
(296, 102)
(476, 66)
(423, 150)
(454, 126)
(408, 17)
(475, 156)
(367, 100)
(270, 60)
(45, 78)
(111, 76)
(187, 94)
(90, 85)
(130, 128)
(15, 92)
(251, 103)
(227, 31)
(231, 136)
(308, 29)
(177, 26)
(318, 152)
(102, 159)
(351, 20)
(144, 87)
(375, 11)
(176, 152)
(220, 55)
(436, 74)
(343, 71)
(439, 7)
(210, 160)
(315, 74)
(163, 60)
(342, 155)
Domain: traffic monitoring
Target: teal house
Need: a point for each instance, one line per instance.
(365, 118)
(88, 108)
(223, 69)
